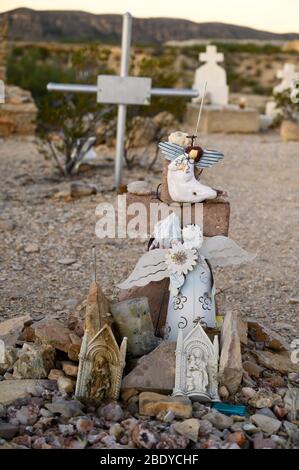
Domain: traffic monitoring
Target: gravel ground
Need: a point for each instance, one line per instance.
(259, 173)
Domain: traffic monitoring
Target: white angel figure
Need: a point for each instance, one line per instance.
(189, 268)
(182, 184)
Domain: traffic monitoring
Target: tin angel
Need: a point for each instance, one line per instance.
(184, 159)
(188, 263)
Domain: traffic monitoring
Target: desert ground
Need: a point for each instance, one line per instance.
(46, 241)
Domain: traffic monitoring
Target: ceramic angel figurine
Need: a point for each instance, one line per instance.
(182, 184)
(188, 264)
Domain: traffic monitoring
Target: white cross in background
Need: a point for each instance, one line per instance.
(287, 73)
(123, 90)
(211, 55)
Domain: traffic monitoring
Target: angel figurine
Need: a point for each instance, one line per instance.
(184, 158)
(188, 263)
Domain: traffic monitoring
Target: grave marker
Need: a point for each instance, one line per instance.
(123, 91)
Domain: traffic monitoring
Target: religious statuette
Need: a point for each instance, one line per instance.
(197, 366)
(101, 360)
(101, 365)
(184, 158)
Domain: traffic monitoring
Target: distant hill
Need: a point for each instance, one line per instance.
(31, 25)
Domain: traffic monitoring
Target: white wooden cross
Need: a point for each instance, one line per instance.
(123, 90)
(211, 55)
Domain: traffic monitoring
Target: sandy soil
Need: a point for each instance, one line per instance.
(260, 174)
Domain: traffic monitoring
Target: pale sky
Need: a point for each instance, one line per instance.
(270, 15)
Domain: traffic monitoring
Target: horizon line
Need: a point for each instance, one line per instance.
(148, 17)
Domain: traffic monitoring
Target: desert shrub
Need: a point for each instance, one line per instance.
(288, 108)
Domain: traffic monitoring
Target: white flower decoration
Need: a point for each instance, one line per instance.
(180, 260)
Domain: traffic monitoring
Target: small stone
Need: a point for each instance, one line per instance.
(66, 408)
(11, 329)
(67, 261)
(78, 189)
(242, 330)
(169, 417)
(155, 371)
(293, 377)
(128, 393)
(74, 348)
(289, 427)
(8, 431)
(279, 440)
(24, 440)
(250, 428)
(151, 404)
(66, 429)
(230, 445)
(266, 412)
(143, 437)
(294, 300)
(230, 363)
(50, 331)
(261, 334)
(188, 428)
(253, 369)
(3, 411)
(7, 225)
(248, 392)
(55, 374)
(34, 362)
(141, 188)
(205, 428)
(264, 399)
(129, 424)
(171, 441)
(41, 443)
(260, 443)
(274, 381)
(109, 441)
(279, 362)
(111, 412)
(236, 427)
(266, 424)
(66, 385)
(8, 376)
(84, 425)
(295, 438)
(12, 390)
(223, 392)
(280, 412)
(219, 420)
(27, 415)
(238, 438)
(116, 431)
(31, 248)
(70, 368)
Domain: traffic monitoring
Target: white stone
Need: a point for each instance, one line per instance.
(215, 76)
(197, 366)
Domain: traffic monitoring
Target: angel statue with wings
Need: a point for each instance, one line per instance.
(184, 159)
(187, 259)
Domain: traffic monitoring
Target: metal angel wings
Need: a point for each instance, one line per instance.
(209, 157)
(154, 266)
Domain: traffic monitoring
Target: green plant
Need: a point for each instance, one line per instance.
(288, 109)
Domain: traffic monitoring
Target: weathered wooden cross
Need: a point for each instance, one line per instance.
(123, 90)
